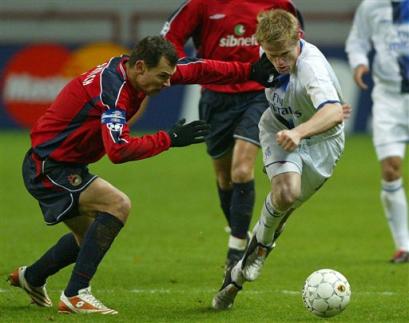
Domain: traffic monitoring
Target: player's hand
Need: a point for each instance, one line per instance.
(288, 139)
(359, 73)
(263, 71)
(183, 134)
(346, 110)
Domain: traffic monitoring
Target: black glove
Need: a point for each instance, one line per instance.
(263, 71)
(183, 134)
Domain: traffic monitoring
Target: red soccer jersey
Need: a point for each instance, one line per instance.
(222, 30)
(88, 119)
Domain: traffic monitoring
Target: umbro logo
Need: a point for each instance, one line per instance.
(217, 16)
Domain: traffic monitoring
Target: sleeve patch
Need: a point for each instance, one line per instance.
(113, 116)
(114, 121)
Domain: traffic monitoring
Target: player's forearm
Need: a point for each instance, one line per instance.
(136, 148)
(326, 118)
(203, 71)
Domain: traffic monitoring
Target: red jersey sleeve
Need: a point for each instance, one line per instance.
(182, 24)
(121, 147)
(205, 71)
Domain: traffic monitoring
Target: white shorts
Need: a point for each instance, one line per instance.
(314, 161)
(390, 122)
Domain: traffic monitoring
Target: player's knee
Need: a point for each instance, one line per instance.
(125, 206)
(242, 173)
(122, 206)
(391, 171)
(284, 198)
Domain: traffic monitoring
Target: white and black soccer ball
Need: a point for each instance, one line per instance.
(326, 292)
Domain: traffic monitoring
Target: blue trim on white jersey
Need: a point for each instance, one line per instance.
(400, 16)
(400, 12)
(404, 67)
(281, 81)
(325, 102)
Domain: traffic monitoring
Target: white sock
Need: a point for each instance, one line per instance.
(236, 243)
(237, 275)
(268, 223)
(396, 211)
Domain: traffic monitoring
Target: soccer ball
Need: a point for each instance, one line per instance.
(326, 292)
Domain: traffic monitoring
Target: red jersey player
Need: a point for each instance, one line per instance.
(225, 30)
(88, 120)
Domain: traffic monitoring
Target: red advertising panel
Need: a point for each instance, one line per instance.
(34, 75)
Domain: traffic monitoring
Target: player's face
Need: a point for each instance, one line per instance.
(152, 80)
(282, 57)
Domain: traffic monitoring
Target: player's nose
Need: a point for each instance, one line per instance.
(166, 83)
(280, 61)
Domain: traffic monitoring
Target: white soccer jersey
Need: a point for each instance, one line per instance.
(383, 25)
(302, 93)
(296, 99)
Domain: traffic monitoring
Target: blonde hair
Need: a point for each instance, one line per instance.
(277, 27)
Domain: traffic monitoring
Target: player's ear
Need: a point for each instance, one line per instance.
(140, 67)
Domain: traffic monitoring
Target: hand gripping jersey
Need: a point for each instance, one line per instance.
(88, 119)
(299, 95)
(384, 25)
(222, 30)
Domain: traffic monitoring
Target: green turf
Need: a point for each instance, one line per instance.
(167, 263)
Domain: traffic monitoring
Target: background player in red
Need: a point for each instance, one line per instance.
(87, 120)
(225, 30)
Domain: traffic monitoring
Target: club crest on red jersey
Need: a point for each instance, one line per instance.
(74, 179)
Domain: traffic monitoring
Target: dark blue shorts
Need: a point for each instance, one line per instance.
(231, 116)
(56, 186)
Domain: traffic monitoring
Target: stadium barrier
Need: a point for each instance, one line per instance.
(32, 75)
(33, 71)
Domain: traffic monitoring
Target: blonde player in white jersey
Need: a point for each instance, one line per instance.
(384, 25)
(301, 135)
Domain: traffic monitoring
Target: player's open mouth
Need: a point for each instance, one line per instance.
(283, 69)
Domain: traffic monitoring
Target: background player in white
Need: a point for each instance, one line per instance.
(384, 25)
(301, 135)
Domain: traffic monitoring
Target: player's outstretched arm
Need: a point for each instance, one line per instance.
(203, 71)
